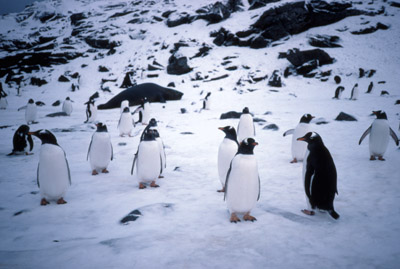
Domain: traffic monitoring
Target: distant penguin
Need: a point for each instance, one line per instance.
(354, 92)
(91, 109)
(30, 112)
(3, 99)
(319, 176)
(338, 92)
(226, 151)
(370, 86)
(144, 111)
(67, 106)
(299, 148)
(337, 79)
(242, 186)
(245, 127)
(379, 133)
(125, 123)
(148, 161)
(124, 104)
(53, 175)
(100, 151)
(22, 141)
(207, 101)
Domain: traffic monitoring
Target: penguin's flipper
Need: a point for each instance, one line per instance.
(307, 181)
(333, 214)
(37, 176)
(69, 172)
(30, 140)
(88, 151)
(134, 160)
(22, 107)
(259, 188)
(394, 136)
(227, 179)
(364, 135)
(254, 129)
(112, 152)
(288, 132)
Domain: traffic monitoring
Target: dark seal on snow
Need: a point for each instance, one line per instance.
(152, 91)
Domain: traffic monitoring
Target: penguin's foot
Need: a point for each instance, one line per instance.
(61, 201)
(28, 153)
(44, 202)
(293, 161)
(104, 171)
(234, 218)
(160, 176)
(381, 158)
(154, 185)
(142, 186)
(372, 158)
(308, 212)
(221, 190)
(247, 217)
(94, 172)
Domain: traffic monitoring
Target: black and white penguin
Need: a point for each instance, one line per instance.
(67, 106)
(370, 87)
(242, 185)
(354, 92)
(124, 104)
(226, 151)
(319, 175)
(91, 109)
(338, 92)
(30, 112)
(379, 133)
(125, 123)
(207, 101)
(144, 111)
(3, 99)
(245, 127)
(53, 175)
(100, 151)
(299, 148)
(148, 161)
(22, 141)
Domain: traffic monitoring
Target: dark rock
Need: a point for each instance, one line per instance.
(397, 102)
(254, 4)
(394, 4)
(187, 133)
(275, 79)
(381, 82)
(152, 75)
(153, 68)
(40, 103)
(38, 81)
(345, 117)
(324, 41)
(361, 73)
(57, 114)
(230, 115)
(180, 19)
(307, 67)
(120, 14)
(127, 82)
(56, 103)
(384, 93)
(203, 51)
(171, 84)
(371, 29)
(231, 68)
(271, 126)
(214, 13)
(258, 120)
(298, 58)
(99, 43)
(77, 18)
(337, 79)
(259, 43)
(63, 78)
(103, 68)
(167, 13)
(177, 65)
(183, 110)
(217, 78)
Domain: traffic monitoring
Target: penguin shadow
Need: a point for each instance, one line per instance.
(289, 215)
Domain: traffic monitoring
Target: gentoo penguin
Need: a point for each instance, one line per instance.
(354, 92)
(100, 150)
(370, 86)
(53, 175)
(67, 106)
(125, 123)
(21, 140)
(379, 133)
(319, 175)
(124, 104)
(144, 111)
(338, 92)
(30, 112)
(242, 185)
(207, 101)
(226, 151)
(148, 161)
(245, 127)
(299, 148)
(3, 99)
(91, 109)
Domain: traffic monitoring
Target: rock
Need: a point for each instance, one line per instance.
(76, 18)
(101, 43)
(345, 117)
(57, 114)
(177, 65)
(40, 103)
(259, 43)
(254, 4)
(179, 19)
(56, 103)
(38, 81)
(298, 58)
(203, 51)
(371, 29)
(171, 84)
(63, 78)
(324, 41)
(271, 126)
(214, 13)
(307, 67)
(217, 78)
(397, 102)
(275, 79)
(394, 4)
(384, 93)
(230, 115)
(103, 68)
(183, 110)
(127, 82)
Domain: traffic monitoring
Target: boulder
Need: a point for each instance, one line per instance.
(275, 79)
(345, 117)
(230, 115)
(324, 41)
(177, 65)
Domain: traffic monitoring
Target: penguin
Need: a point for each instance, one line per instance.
(299, 148)
(67, 106)
(53, 174)
(242, 185)
(144, 111)
(125, 123)
(124, 104)
(319, 176)
(338, 92)
(370, 86)
(100, 150)
(31, 112)
(91, 109)
(226, 151)
(148, 161)
(21, 140)
(246, 127)
(207, 101)
(354, 92)
(379, 133)
(3, 99)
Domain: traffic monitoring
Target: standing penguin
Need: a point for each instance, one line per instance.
(124, 104)
(53, 175)
(91, 109)
(30, 112)
(245, 127)
(338, 92)
(354, 92)
(379, 133)
(226, 151)
(299, 148)
(319, 175)
(125, 123)
(148, 160)
(242, 186)
(21, 140)
(370, 86)
(3, 100)
(144, 111)
(67, 106)
(207, 101)
(100, 150)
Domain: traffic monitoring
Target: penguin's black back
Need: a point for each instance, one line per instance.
(21, 138)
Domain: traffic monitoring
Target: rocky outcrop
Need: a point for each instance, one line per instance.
(177, 65)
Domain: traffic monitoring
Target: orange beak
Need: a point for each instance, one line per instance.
(301, 139)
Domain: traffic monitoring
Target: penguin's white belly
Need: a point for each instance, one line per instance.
(125, 124)
(124, 104)
(354, 94)
(246, 127)
(146, 114)
(207, 104)
(67, 107)
(3, 103)
(162, 152)
(299, 147)
(226, 152)
(100, 151)
(243, 187)
(53, 172)
(148, 161)
(93, 110)
(30, 113)
(379, 137)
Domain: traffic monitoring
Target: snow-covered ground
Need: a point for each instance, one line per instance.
(194, 231)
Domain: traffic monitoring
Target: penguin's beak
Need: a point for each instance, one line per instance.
(33, 133)
(221, 128)
(255, 144)
(301, 139)
(375, 112)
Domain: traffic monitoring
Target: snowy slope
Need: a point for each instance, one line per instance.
(194, 231)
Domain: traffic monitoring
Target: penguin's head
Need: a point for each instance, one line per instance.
(311, 138)
(101, 127)
(380, 114)
(45, 136)
(149, 135)
(247, 146)
(229, 131)
(306, 118)
(246, 110)
(153, 122)
(208, 94)
(67, 98)
(126, 110)
(31, 101)
(23, 129)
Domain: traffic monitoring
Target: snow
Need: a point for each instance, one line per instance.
(195, 232)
